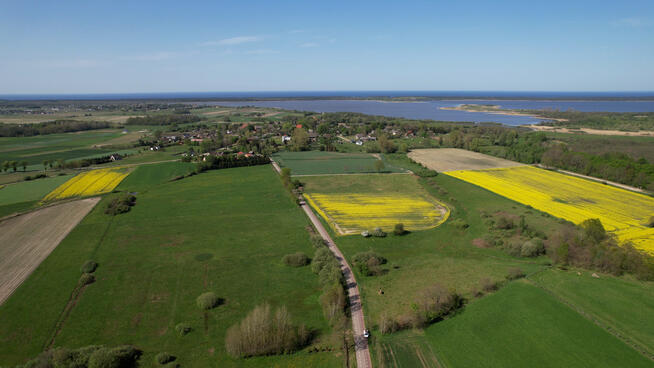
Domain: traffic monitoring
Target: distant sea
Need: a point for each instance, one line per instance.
(364, 102)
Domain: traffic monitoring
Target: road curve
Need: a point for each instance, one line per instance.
(356, 311)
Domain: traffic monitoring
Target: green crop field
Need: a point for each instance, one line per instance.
(523, 326)
(23, 195)
(67, 146)
(223, 231)
(318, 162)
(622, 304)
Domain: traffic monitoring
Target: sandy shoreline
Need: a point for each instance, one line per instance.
(545, 128)
(495, 109)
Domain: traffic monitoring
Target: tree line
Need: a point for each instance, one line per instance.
(50, 127)
(163, 119)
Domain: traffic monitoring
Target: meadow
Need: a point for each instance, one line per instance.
(89, 183)
(320, 163)
(622, 212)
(224, 231)
(24, 195)
(66, 146)
(524, 326)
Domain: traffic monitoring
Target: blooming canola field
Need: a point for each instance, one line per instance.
(622, 212)
(89, 183)
(354, 213)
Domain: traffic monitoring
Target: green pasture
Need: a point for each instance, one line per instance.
(319, 162)
(223, 231)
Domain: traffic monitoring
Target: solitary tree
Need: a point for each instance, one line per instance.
(300, 139)
(379, 165)
(23, 164)
(14, 165)
(5, 166)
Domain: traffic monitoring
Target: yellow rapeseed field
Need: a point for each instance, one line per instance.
(353, 213)
(89, 183)
(622, 212)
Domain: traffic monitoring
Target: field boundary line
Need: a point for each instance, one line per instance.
(370, 173)
(605, 326)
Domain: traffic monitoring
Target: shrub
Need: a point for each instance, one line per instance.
(321, 258)
(488, 285)
(183, 328)
(504, 223)
(86, 279)
(515, 273)
(296, 260)
(333, 303)
(460, 224)
(368, 263)
(207, 301)
(163, 358)
(650, 223)
(89, 267)
(532, 248)
(263, 332)
(119, 357)
(593, 229)
(121, 204)
(378, 232)
(434, 303)
(399, 229)
(317, 241)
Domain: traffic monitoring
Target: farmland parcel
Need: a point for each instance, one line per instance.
(353, 213)
(25, 241)
(89, 183)
(622, 212)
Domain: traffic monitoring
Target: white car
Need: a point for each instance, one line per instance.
(366, 333)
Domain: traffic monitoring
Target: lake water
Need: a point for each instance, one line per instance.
(431, 109)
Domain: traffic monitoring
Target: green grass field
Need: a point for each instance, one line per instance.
(223, 231)
(442, 255)
(318, 162)
(523, 326)
(24, 195)
(622, 304)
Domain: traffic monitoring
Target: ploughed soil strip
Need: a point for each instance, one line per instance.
(26, 240)
(451, 159)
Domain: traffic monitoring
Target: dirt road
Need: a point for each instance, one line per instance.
(27, 240)
(358, 322)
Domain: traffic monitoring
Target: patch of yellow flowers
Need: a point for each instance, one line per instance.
(622, 212)
(89, 183)
(354, 213)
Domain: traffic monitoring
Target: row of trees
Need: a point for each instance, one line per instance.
(14, 165)
(231, 160)
(50, 127)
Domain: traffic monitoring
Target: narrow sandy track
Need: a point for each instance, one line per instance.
(356, 310)
(27, 240)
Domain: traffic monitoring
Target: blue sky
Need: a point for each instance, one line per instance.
(165, 46)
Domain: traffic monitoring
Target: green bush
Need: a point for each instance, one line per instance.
(86, 279)
(121, 204)
(183, 328)
(89, 267)
(208, 300)
(488, 285)
(460, 224)
(504, 223)
(650, 223)
(532, 248)
(515, 273)
(118, 357)
(369, 263)
(163, 358)
(298, 259)
(399, 229)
